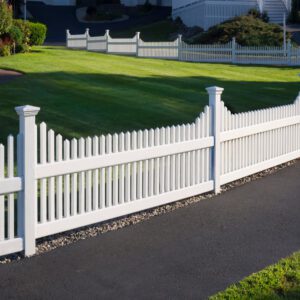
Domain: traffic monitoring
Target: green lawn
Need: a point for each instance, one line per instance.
(280, 281)
(82, 93)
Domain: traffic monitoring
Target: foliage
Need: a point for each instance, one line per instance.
(5, 17)
(248, 31)
(25, 29)
(258, 15)
(280, 281)
(16, 34)
(37, 33)
(5, 50)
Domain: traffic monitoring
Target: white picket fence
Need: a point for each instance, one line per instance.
(62, 185)
(179, 50)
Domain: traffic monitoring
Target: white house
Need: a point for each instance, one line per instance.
(125, 2)
(206, 13)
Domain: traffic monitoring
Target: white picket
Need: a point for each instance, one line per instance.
(124, 173)
(2, 198)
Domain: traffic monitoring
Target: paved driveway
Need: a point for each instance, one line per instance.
(190, 253)
(60, 18)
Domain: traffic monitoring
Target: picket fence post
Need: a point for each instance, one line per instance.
(87, 34)
(67, 37)
(289, 52)
(107, 39)
(138, 35)
(179, 45)
(233, 50)
(27, 160)
(215, 108)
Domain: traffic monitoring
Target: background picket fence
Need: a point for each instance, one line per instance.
(179, 50)
(64, 184)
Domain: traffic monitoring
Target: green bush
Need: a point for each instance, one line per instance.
(22, 48)
(25, 29)
(16, 34)
(5, 50)
(37, 33)
(5, 17)
(258, 15)
(248, 31)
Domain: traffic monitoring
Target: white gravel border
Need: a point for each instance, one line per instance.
(66, 238)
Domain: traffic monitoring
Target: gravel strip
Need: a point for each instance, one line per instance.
(55, 241)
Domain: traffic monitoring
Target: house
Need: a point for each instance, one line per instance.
(125, 2)
(206, 13)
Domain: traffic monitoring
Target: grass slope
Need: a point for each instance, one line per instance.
(280, 281)
(82, 93)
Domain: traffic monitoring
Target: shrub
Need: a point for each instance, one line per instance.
(25, 29)
(248, 31)
(22, 48)
(16, 34)
(37, 33)
(5, 17)
(5, 50)
(258, 15)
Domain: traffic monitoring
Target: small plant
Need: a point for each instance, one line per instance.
(37, 33)
(248, 31)
(25, 28)
(258, 15)
(5, 50)
(5, 17)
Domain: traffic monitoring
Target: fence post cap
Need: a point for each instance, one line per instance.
(215, 90)
(27, 110)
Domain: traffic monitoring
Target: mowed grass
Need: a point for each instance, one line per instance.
(279, 281)
(85, 94)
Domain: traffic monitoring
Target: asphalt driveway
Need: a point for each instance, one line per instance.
(190, 253)
(60, 18)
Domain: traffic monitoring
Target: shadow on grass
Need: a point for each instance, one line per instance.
(82, 104)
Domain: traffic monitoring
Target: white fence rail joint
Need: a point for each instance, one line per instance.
(178, 50)
(63, 185)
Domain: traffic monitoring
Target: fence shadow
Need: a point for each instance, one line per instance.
(82, 104)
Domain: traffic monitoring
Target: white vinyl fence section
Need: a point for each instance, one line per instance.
(77, 41)
(10, 185)
(164, 50)
(97, 43)
(179, 50)
(122, 46)
(66, 184)
(206, 53)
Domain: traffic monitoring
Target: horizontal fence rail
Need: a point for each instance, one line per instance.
(10, 185)
(178, 50)
(62, 184)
